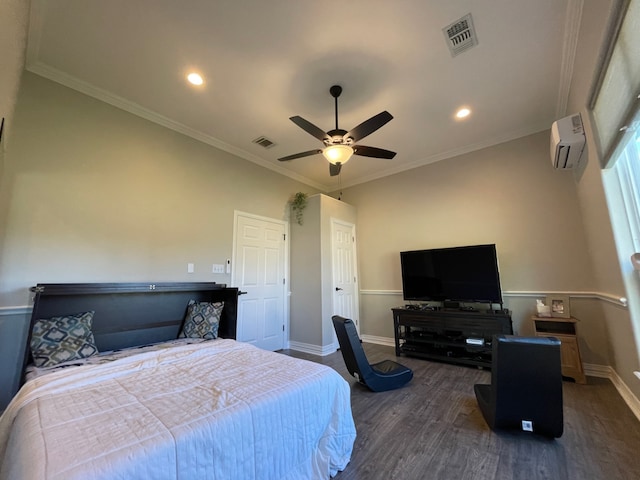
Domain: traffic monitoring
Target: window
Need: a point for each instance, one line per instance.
(622, 189)
(627, 172)
(615, 108)
(622, 186)
(616, 97)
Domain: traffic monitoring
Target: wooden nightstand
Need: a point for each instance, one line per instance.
(565, 330)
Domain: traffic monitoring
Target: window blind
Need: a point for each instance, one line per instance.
(616, 97)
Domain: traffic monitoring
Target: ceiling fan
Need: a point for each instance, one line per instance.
(340, 145)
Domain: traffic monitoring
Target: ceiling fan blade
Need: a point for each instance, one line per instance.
(334, 169)
(300, 155)
(369, 126)
(310, 128)
(374, 152)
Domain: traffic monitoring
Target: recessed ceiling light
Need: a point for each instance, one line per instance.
(195, 78)
(463, 113)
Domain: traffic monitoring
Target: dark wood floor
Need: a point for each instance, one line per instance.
(432, 429)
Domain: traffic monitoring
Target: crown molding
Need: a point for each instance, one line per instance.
(38, 11)
(573, 19)
(456, 152)
(74, 83)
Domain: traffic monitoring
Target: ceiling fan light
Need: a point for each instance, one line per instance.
(195, 78)
(464, 112)
(338, 154)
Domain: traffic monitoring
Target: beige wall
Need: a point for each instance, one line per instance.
(552, 228)
(509, 195)
(93, 193)
(312, 273)
(593, 205)
(306, 279)
(14, 19)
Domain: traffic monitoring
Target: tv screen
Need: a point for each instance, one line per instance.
(465, 274)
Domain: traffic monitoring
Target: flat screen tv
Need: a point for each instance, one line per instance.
(464, 274)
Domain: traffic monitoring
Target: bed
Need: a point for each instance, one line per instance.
(152, 405)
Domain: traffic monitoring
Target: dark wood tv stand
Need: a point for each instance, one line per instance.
(449, 335)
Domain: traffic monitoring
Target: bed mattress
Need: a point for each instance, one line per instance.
(219, 409)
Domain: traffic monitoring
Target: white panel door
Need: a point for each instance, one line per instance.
(259, 270)
(345, 291)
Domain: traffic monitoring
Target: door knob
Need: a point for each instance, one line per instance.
(338, 289)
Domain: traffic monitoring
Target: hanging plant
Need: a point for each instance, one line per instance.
(298, 204)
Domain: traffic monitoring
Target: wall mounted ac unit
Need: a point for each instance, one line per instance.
(567, 141)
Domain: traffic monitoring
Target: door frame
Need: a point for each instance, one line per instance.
(286, 291)
(356, 293)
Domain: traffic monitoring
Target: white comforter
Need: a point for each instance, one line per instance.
(216, 410)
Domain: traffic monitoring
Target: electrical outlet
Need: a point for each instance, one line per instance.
(527, 425)
(217, 268)
(190, 268)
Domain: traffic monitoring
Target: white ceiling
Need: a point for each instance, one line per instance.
(265, 61)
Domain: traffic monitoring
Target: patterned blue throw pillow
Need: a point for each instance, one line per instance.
(60, 339)
(202, 320)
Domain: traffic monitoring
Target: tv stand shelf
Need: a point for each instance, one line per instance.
(444, 334)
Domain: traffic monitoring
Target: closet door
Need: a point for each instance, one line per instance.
(259, 270)
(344, 261)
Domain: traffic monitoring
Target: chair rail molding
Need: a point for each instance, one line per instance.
(17, 310)
(605, 297)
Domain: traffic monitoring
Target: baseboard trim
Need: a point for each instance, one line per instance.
(590, 369)
(389, 342)
(625, 392)
(312, 349)
(600, 371)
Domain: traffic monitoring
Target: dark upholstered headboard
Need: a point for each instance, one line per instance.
(132, 314)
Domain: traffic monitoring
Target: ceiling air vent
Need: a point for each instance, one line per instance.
(264, 142)
(460, 35)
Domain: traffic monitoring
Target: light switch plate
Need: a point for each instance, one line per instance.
(217, 268)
